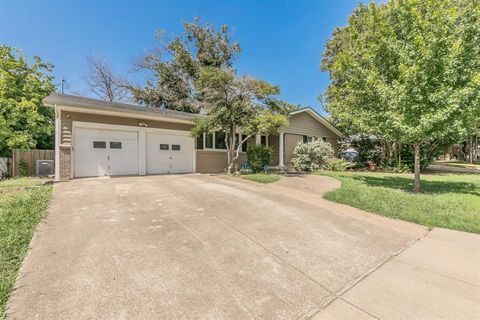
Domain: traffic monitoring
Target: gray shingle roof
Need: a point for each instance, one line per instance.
(96, 104)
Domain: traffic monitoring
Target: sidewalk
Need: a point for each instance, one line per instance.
(438, 277)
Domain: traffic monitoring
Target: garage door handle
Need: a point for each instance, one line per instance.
(170, 158)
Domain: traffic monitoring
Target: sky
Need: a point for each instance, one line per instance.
(282, 41)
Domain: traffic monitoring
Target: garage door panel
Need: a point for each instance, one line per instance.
(169, 153)
(100, 152)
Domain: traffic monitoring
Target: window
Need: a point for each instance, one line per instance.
(209, 141)
(220, 140)
(200, 142)
(263, 140)
(99, 145)
(307, 139)
(175, 147)
(164, 147)
(115, 145)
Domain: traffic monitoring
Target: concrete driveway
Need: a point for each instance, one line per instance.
(198, 246)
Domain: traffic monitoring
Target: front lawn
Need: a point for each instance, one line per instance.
(20, 212)
(261, 177)
(448, 201)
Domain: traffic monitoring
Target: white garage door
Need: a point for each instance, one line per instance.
(105, 152)
(169, 153)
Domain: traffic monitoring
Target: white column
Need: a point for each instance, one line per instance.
(257, 139)
(142, 151)
(58, 137)
(281, 151)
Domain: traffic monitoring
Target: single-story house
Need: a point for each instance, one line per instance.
(98, 138)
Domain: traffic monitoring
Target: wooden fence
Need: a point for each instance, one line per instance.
(30, 157)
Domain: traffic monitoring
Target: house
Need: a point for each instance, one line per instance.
(98, 138)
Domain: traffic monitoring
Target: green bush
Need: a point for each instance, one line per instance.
(338, 165)
(312, 156)
(258, 156)
(429, 151)
(23, 168)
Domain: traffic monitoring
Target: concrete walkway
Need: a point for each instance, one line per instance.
(206, 247)
(438, 277)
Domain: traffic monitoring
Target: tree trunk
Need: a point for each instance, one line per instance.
(417, 186)
(470, 152)
(399, 154)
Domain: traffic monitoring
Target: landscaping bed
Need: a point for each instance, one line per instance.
(449, 201)
(261, 177)
(23, 204)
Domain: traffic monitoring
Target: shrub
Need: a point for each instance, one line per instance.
(312, 156)
(338, 165)
(258, 156)
(23, 168)
(369, 149)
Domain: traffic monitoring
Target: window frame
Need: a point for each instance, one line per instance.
(214, 147)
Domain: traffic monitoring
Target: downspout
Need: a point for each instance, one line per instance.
(58, 125)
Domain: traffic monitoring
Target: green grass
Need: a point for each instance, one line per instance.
(20, 213)
(20, 183)
(448, 201)
(261, 177)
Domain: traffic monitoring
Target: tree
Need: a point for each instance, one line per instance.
(178, 65)
(406, 71)
(24, 122)
(232, 103)
(102, 81)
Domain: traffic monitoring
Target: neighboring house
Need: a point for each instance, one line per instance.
(99, 138)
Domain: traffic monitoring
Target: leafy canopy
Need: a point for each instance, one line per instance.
(178, 66)
(407, 70)
(24, 122)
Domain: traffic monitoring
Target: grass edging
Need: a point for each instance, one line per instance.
(20, 213)
(449, 201)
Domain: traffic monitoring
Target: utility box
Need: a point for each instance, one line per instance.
(44, 168)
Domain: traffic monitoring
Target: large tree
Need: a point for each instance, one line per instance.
(24, 122)
(406, 71)
(196, 74)
(177, 65)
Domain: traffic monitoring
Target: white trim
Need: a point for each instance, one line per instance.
(194, 164)
(320, 119)
(142, 151)
(58, 137)
(281, 146)
(126, 114)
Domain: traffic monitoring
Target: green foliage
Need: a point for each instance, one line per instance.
(369, 150)
(258, 156)
(338, 165)
(24, 122)
(23, 168)
(429, 153)
(201, 46)
(406, 70)
(312, 156)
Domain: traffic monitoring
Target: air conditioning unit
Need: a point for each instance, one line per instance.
(44, 168)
